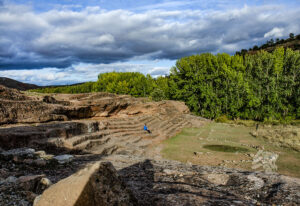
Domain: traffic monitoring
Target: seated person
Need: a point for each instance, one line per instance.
(146, 128)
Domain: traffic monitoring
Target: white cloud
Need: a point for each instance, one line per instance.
(275, 32)
(159, 71)
(61, 38)
(74, 46)
(80, 72)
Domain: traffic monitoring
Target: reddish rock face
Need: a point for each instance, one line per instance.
(20, 108)
(16, 107)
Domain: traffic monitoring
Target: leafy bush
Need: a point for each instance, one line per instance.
(222, 119)
(157, 95)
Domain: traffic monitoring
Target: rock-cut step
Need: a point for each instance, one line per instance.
(81, 138)
(91, 143)
(176, 128)
(84, 142)
(71, 142)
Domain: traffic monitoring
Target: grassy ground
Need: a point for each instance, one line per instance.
(227, 145)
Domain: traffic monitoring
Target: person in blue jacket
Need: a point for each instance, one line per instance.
(146, 128)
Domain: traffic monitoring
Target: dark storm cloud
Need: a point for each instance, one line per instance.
(61, 38)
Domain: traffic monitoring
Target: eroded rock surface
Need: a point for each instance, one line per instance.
(153, 182)
(16, 107)
(95, 185)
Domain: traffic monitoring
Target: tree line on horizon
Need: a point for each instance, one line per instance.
(271, 44)
(262, 86)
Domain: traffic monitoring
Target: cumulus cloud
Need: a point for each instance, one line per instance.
(81, 72)
(60, 38)
(275, 32)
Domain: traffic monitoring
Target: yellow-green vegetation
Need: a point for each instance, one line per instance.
(227, 145)
(252, 123)
(281, 135)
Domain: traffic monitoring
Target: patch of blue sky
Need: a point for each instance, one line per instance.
(145, 5)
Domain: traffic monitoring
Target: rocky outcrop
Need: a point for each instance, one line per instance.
(16, 107)
(172, 183)
(97, 184)
(47, 135)
(265, 160)
(149, 182)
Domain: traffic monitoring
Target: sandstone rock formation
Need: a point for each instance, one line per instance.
(16, 107)
(93, 186)
(150, 182)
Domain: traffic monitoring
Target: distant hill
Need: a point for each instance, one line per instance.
(293, 42)
(10, 83)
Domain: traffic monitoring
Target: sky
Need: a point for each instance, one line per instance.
(55, 42)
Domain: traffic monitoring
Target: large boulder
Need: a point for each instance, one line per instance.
(96, 185)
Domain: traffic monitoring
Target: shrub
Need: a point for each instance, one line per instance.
(157, 95)
(222, 119)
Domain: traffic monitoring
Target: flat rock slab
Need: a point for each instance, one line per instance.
(140, 181)
(164, 182)
(97, 184)
(62, 159)
(18, 152)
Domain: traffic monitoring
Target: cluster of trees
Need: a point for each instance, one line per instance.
(273, 43)
(262, 86)
(132, 83)
(72, 89)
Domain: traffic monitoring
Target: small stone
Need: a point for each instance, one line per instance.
(29, 182)
(45, 181)
(62, 159)
(11, 179)
(258, 182)
(237, 202)
(40, 153)
(43, 184)
(47, 157)
(28, 161)
(218, 179)
(168, 172)
(198, 153)
(40, 162)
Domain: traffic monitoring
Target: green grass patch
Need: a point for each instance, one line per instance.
(213, 143)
